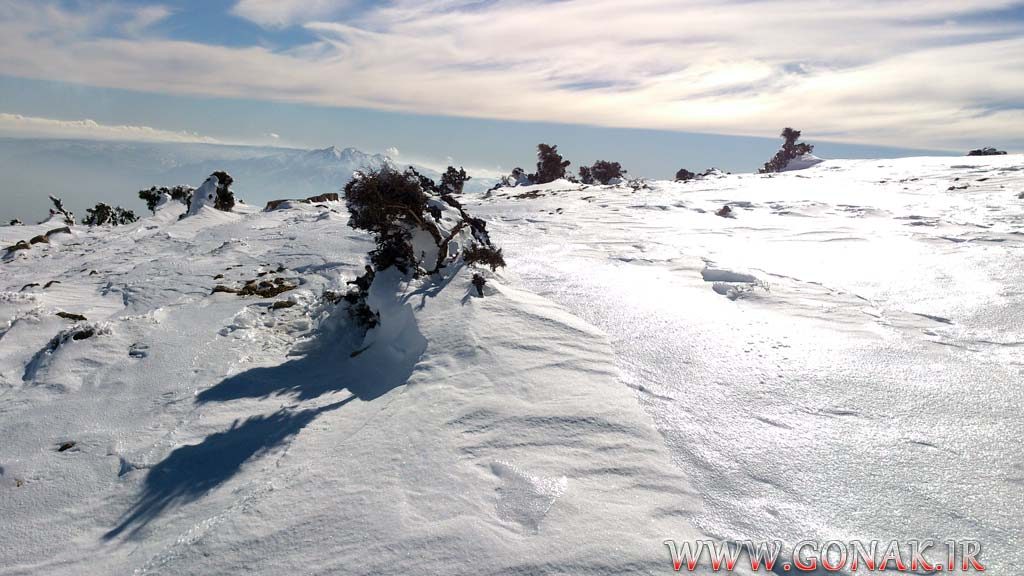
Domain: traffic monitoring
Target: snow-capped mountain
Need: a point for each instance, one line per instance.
(285, 173)
(86, 172)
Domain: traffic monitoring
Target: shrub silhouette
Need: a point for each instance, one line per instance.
(182, 194)
(604, 171)
(388, 204)
(586, 176)
(986, 151)
(101, 215)
(453, 181)
(225, 200)
(550, 165)
(790, 149)
(684, 175)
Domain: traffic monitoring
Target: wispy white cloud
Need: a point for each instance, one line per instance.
(926, 73)
(16, 125)
(280, 13)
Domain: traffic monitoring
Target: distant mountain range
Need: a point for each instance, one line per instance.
(85, 172)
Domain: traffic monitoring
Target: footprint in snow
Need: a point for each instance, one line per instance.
(524, 498)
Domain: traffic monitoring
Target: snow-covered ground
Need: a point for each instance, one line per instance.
(841, 359)
(837, 360)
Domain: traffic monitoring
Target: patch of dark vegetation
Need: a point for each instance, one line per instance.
(790, 150)
(530, 195)
(396, 207)
(225, 200)
(453, 181)
(152, 196)
(104, 215)
(266, 288)
(71, 316)
(15, 222)
(550, 164)
(484, 255)
(684, 175)
(602, 172)
(986, 151)
(390, 205)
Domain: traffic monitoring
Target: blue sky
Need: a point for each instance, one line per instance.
(656, 84)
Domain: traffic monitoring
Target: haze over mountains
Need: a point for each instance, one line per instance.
(84, 172)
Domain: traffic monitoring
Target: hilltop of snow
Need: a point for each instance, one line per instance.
(837, 359)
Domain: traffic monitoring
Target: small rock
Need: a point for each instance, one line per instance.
(83, 334)
(282, 304)
(138, 350)
(27, 286)
(70, 316)
(64, 447)
(41, 239)
(51, 283)
(21, 245)
(62, 230)
(225, 289)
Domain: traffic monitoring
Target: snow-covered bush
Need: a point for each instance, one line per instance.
(15, 222)
(518, 177)
(790, 150)
(550, 165)
(215, 192)
(390, 205)
(101, 215)
(412, 227)
(154, 196)
(59, 210)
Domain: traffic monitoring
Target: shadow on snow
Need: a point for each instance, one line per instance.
(388, 358)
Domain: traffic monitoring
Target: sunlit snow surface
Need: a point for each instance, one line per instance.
(839, 360)
(216, 435)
